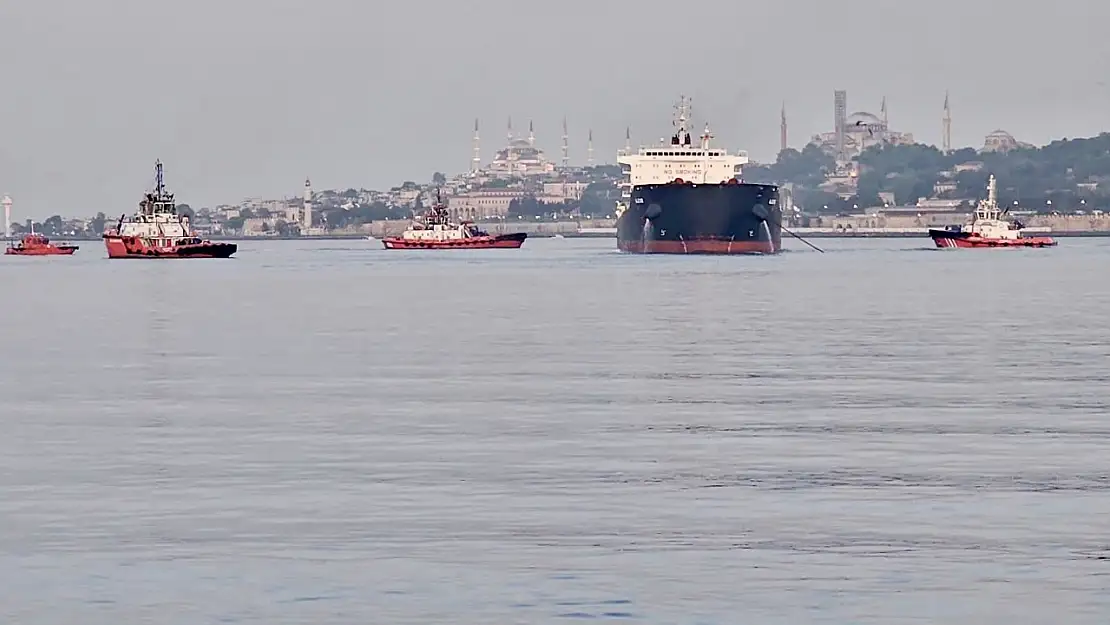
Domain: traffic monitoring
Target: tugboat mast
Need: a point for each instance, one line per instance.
(988, 209)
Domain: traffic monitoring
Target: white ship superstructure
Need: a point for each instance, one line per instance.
(989, 221)
(436, 225)
(157, 218)
(679, 159)
(987, 212)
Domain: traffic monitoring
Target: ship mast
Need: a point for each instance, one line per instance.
(7, 203)
(988, 208)
(705, 137)
(160, 200)
(682, 116)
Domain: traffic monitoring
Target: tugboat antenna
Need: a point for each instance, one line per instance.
(158, 186)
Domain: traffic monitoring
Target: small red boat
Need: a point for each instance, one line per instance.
(988, 228)
(435, 231)
(157, 231)
(38, 245)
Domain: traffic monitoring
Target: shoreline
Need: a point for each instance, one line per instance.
(925, 235)
(805, 233)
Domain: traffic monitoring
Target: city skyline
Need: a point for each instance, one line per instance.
(93, 95)
(488, 150)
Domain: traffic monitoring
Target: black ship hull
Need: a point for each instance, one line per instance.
(686, 218)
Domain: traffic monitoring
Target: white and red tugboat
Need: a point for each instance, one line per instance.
(988, 228)
(435, 231)
(157, 231)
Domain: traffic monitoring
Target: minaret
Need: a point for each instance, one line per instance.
(627, 139)
(947, 122)
(307, 205)
(882, 114)
(7, 217)
(510, 129)
(590, 148)
(566, 145)
(531, 133)
(476, 160)
(840, 119)
(782, 129)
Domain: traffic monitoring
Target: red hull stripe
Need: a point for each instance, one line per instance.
(117, 248)
(149, 256)
(404, 244)
(698, 246)
(970, 242)
(57, 251)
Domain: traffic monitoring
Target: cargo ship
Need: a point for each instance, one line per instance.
(157, 231)
(988, 228)
(38, 245)
(434, 230)
(685, 198)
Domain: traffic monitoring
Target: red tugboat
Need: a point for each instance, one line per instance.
(38, 245)
(987, 228)
(435, 231)
(157, 231)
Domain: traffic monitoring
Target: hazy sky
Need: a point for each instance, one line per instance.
(246, 97)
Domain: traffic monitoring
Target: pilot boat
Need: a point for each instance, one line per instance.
(38, 245)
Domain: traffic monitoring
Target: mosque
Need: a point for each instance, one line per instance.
(1002, 141)
(520, 158)
(854, 133)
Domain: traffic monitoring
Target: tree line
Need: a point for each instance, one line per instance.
(1065, 175)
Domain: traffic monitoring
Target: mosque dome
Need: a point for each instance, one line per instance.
(1000, 141)
(520, 157)
(863, 119)
(520, 150)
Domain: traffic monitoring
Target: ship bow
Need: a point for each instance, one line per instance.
(733, 218)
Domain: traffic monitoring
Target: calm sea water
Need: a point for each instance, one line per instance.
(327, 432)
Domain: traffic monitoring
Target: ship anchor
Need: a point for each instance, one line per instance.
(763, 214)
